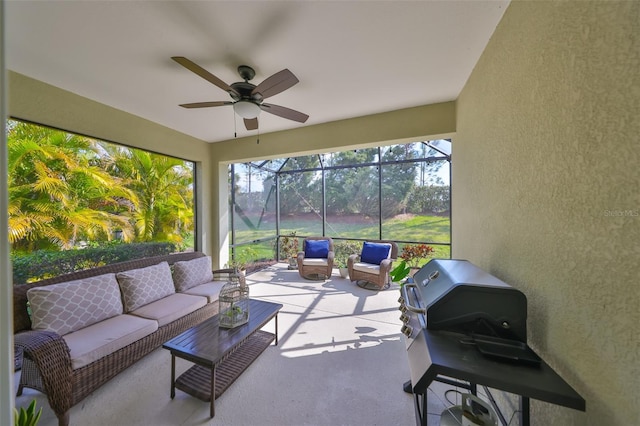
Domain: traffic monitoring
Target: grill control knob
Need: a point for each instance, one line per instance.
(404, 318)
(407, 330)
(402, 308)
(401, 300)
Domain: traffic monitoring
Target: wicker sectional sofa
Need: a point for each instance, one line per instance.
(84, 328)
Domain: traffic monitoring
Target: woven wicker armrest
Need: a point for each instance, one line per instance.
(50, 353)
(385, 265)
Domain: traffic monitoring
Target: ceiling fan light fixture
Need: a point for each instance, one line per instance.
(246, 109)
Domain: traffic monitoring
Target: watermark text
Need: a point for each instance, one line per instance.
(621, 213)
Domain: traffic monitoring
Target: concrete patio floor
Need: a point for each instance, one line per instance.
(340, 361)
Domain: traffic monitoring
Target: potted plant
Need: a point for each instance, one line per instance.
(413, 257)
(289, 247)
(343, 250)
(242, 258)
(28, 417)
(416, 255)
(400, 272)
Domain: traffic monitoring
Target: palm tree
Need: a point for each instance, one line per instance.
(58, 194)
(164, 189)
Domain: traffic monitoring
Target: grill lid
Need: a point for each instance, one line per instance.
(458, 296)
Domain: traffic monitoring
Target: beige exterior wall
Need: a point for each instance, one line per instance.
(402, 126)
(546, 191)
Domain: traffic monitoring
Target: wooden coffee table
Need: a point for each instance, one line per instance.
(220, 355)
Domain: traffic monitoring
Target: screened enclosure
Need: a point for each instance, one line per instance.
(397, 192)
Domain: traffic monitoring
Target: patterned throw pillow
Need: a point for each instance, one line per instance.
(70, 306)
(190, 273)
(145, 285)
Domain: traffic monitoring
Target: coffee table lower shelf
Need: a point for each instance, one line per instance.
(196, 381)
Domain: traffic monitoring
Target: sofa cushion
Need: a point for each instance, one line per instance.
(210, 290)
(100, 339)
(72, 305)
(170, 308)
(316, 249)
(145, 285)
(190, 273)
(375, 252)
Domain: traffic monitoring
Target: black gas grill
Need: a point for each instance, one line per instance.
(455, 295)
(461, 322)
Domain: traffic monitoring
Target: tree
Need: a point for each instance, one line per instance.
(164, 190)
(353, 189)
(58, 195)
(301, 192)
(398, 179)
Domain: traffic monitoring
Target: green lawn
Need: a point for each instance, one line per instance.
(427, 229)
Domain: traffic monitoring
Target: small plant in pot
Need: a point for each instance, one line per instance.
(413, 257)
(343, 250)
(400, 272)
(289, 248)
(28, 417)
(416, 255)
(243, 257)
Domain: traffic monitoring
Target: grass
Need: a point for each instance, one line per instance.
(413, 228)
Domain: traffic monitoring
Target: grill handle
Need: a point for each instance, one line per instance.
(407, 300)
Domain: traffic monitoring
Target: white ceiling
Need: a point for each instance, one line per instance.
(352, 58)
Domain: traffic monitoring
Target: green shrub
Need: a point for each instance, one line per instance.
(343, 249)
(43, 264)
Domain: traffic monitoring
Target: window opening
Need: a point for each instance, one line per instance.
(77, 202)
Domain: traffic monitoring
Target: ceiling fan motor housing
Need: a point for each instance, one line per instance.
(243, 90)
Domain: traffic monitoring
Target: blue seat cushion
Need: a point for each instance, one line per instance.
(374, 252)
(316, 249)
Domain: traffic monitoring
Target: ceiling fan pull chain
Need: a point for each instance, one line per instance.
(235, 127)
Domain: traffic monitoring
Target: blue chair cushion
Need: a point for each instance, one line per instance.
(316, 249)
(374, 252)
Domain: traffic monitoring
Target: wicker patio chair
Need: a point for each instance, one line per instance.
(315, 261)
(367, 272)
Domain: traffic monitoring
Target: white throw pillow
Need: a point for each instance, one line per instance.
(190, 273)
(145, 285)
(70, 306)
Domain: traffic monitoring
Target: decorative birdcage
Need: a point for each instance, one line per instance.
(234, 303)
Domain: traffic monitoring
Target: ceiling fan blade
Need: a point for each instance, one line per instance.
(206, 104)
(275, 84)
(284, 112)
(197, 69)
(251, 123)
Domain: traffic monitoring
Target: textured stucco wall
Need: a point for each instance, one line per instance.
(546, 191)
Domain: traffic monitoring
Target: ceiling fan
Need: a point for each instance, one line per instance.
(247, 97)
